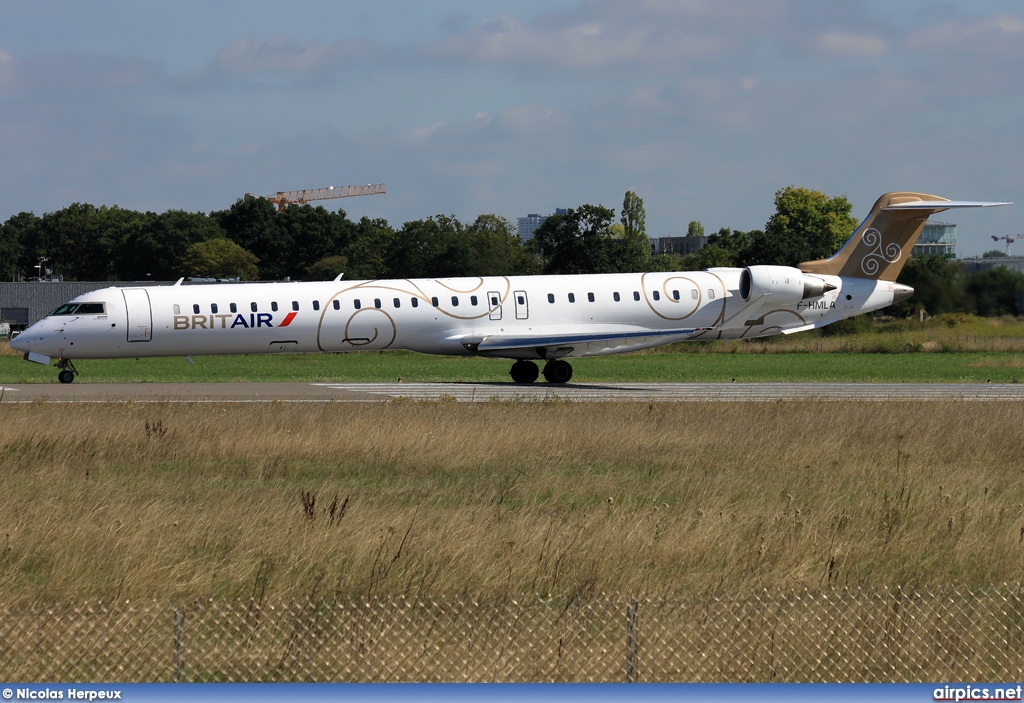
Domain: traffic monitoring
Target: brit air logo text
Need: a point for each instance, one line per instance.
(224, 321)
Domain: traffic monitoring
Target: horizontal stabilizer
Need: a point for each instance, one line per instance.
(885, 239)
(942, 204)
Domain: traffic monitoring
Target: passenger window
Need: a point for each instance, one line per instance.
(415, 302)
(656, 295)
(455, 301)
(521, 299)
(675, 294)
(295, 305)
(253, 307)
(472, 300)
(273, 307)
(694, 294)
(615, 296)
(494, 300)
(195, 309)
(316, 304)
(234, 308)
(398, 303)
(590, 297)
(336, 304)
(434, 301)
(551, 297)
(572, 297)
(357, 303)
(213, 308)
(711, 293)
(376, 303)
(177, 309)
(636, 295)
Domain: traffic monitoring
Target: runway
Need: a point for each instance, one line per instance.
(505, 392)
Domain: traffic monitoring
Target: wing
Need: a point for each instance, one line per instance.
(595, 340)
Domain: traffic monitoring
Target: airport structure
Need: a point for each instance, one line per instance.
(22, 304)
(526, 226)
(676, 246)
(976, 264)
(936, 238)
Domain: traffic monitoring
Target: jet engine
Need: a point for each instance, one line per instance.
(785, 284)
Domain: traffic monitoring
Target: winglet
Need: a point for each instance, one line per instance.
(881, 244)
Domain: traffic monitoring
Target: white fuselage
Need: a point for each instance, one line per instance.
(437, 316)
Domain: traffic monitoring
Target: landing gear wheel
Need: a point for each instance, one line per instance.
(558, 371)
(524, 371)
(67, 371)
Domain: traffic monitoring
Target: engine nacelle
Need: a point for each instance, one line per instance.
(786, 285)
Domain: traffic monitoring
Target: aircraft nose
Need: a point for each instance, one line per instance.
(20, 343)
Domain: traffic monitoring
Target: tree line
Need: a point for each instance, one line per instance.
(252, 240)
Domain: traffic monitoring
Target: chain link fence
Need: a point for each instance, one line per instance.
(851, 635)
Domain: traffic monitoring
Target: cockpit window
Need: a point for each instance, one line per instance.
(79, 309)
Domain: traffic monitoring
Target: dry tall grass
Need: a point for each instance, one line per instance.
(174, 501)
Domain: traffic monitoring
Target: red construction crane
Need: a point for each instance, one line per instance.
(284, 198)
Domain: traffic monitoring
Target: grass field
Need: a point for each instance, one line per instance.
(179, 501)
(952, 349)
(670, 365)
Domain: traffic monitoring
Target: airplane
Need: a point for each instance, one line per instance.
(528, 319)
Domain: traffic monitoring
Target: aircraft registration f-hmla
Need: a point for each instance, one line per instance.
(525, 318)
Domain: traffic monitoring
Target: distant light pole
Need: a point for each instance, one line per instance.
(39, 267)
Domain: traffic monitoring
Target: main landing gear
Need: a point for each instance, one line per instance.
(555, 371)
(67, 371)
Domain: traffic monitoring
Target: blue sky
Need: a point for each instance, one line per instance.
(704, 107)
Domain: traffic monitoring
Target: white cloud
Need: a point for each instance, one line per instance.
(7, 69)
(849, 44)
(599, 36)
(287, 56)
(995, 36)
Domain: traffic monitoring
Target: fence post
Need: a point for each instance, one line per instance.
(631, 644)
(179, 644)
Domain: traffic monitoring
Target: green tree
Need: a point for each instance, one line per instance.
(995, 291)
(314, 233)
(726, 247)
(220, 258)
(253, 224)
(430, 248)
(84, 243)
(576, 242)
(807, 225)
(495, 249)
(993, 254)
(17, 237)
(938, 284)
(633, 251)
(369, 250)
(695, 229)
(157, 250)
(327, 268)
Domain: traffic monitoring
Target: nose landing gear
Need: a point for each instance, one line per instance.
(67, 371)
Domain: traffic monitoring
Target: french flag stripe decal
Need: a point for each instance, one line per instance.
(288, 319)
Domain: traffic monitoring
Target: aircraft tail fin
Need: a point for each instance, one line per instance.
(881, 244)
